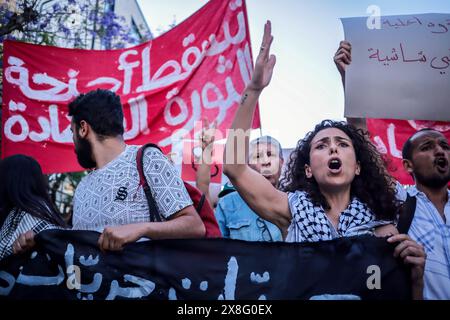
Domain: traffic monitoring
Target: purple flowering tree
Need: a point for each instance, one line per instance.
(88, 24)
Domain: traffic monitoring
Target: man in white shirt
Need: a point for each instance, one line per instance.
(426, 156)
(110, 199)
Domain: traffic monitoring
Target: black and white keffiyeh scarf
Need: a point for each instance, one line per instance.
(310, 224)
(16, 223)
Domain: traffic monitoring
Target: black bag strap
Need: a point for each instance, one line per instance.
(153, 208)
(200, 203)
(406, 214)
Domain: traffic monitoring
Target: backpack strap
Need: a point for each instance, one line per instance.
(200, 203)
(406, 214)
(153, 208)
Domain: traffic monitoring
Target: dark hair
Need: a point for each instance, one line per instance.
(407, 147)
(23, 186)
(372, 186)
(101, 109)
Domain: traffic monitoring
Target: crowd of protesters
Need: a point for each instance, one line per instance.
(335, 185)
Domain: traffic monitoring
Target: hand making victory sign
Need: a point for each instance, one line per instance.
(261, 196)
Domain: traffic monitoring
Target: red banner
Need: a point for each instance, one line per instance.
(390, 135)
(198, 69)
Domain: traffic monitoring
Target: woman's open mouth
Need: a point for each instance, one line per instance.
(442, 164)
(335, 165)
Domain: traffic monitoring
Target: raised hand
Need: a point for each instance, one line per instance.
(343, 57)
(208, 133)
(265, 62)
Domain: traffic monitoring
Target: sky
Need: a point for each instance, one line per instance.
(306, 86)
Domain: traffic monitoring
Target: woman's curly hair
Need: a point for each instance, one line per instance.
(373, 186)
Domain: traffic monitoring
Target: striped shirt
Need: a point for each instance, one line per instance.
(430, 230)
(18, 222)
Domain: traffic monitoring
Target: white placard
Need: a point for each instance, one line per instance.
(400, 67)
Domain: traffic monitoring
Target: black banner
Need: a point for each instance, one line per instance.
(69, 265)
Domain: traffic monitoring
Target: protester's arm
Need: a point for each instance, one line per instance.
(342, 59)
(413, 254)
(203, 179)
(360, 123)
(25, 241)
(184, 224)
(203, 174)
(257, 191)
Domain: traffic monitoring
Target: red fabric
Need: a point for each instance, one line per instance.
(197, 69)
(390, 135)
(206, 212)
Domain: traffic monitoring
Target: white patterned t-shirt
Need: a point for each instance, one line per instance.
(111, 196)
